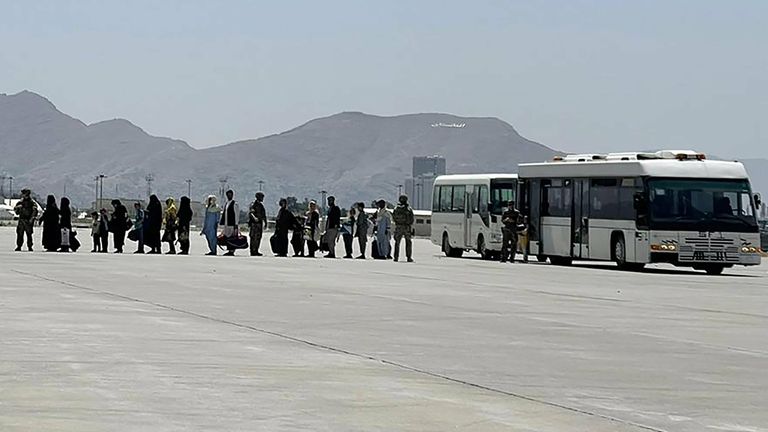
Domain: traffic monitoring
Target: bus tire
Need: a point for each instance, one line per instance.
(446, 245)
(482, 250)
(714, 269)
(541, 258)
(561, 261)
(449, 251)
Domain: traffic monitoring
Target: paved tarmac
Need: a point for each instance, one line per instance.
(171, 343)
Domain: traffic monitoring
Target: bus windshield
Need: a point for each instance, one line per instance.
(502, 192)
(701, 205)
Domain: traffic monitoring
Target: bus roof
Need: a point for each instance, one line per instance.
(472, 178)
(668, 163)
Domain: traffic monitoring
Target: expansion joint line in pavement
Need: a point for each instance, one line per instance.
(341, 351)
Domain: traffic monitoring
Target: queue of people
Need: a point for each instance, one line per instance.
(171, 224)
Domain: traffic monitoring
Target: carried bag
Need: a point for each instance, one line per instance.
(74, 243)
(235, 241)
(133, 235)
(65, 237)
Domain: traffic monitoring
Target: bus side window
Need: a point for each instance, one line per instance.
(482, 203)
(446, 193)
(436, 199)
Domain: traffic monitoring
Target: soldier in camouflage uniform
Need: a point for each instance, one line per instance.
(510, 220)
(403, 218)
(26, 209)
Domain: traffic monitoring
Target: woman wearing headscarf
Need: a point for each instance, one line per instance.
(184, 220)
(154, 225)
(284, 222)
(50, 223)
(211, 223)
(118, 224)
(65, 224)
(170, 221)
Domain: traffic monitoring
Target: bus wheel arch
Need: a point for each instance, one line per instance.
(482, 249)
(619, 253)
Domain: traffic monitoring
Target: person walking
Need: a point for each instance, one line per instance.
(284, 222)
(65, 224)
(383, 230)
(170, 221)
(184, 221)
(153, 225)
(403, 218)
(103, 231)
(312, 229)
(50, 222)
(361, 229)
(26, 210)
(118, 225)
(332, 225)
(211, 223)
(257, 223)
(138, 226)
(95, 222)
(348, 232)
(230, 219)
(509, 220)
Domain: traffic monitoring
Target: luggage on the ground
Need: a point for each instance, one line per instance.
(375, 250)
(133, 235)
(74, 243)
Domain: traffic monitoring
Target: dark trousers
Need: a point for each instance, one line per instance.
(348, 244)
(399, 236)
(508, 244)
(96, 242)
(312, 247)
(104, 239)
(256, 233)
(24, 229)
(119, 240)
(362, 240)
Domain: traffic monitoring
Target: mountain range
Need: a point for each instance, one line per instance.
(355, 156)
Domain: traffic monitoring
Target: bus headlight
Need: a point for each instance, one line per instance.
(749, 249)
(664, 247)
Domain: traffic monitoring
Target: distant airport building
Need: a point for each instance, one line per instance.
(419, 186)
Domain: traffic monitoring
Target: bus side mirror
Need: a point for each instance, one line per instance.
(639, 202)
(758, 201)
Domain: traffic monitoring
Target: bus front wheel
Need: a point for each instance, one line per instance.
(620, 255)
(714, 269)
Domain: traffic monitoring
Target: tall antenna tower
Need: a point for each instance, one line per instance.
(149, 178)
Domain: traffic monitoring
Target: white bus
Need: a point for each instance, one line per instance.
(466, 212)
(636, 208)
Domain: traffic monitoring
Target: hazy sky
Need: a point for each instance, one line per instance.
(574, 75)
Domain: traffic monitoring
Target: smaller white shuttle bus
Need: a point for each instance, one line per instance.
(635, 208)
(466, 212)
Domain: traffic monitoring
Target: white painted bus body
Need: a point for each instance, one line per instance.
(470, 219)
(576, 230)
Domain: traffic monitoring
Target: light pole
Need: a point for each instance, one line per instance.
(189, 188)
(101, 188)
(323, 193)
(10, 186)
(2, 185)
(261, 185)
(399, 190)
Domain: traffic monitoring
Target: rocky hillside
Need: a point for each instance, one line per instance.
(357, 157)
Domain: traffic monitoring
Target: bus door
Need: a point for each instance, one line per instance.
(468, 241)
(580, 222)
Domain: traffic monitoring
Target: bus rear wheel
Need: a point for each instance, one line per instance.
(482, 250)
(560, 261)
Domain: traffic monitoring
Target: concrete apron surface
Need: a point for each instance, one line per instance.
(170, 343)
